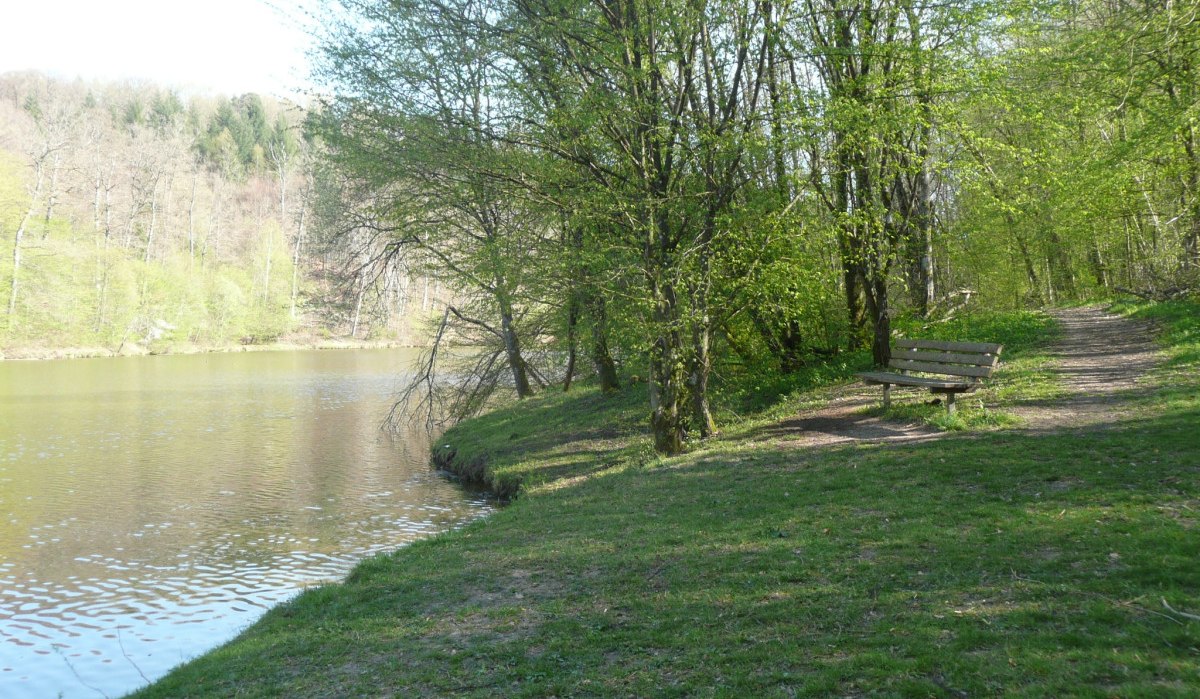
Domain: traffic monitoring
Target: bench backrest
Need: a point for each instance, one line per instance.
(974, 360)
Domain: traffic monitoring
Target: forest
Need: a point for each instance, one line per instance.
(135, 219)
(682, 188)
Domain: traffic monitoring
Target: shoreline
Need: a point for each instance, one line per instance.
(32, 354)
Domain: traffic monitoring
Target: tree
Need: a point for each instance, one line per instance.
(656, 104)
(881, 64)
(1084, 149)
(53, 126)
(410, 128)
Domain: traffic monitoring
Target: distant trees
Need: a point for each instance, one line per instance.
(141, 212)
(1085, 154)
(45, 152)
(885, 71)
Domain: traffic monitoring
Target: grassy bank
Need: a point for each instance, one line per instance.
(989, 562)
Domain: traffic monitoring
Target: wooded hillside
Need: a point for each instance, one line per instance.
(133, 219)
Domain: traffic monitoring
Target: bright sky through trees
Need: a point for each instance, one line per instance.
(227, 46)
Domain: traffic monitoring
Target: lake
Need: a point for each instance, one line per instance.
(152, 507)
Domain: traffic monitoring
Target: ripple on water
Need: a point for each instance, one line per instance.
(159, 511)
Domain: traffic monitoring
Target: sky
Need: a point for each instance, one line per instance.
(206, 46)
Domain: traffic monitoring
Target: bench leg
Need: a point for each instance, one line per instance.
(887, 396)
(950, 404)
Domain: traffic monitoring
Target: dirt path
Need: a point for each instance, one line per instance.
(1100, 360)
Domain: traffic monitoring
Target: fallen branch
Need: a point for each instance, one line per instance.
(1114, 602)
(1185, 615)
(423, 386)
(1169, 294)
(949, 313)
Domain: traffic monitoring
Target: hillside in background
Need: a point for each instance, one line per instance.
(133, 219)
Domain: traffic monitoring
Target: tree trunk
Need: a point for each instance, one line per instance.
(881, 350)
(921, 209)
(874, 262)
(849, 255)
(299, 245)
(877, 299)
(16, 270)
(700, 368)
(267, 266)
(34, 195)
(699, 363)
(192, 221)
(102, 272)
(51, 191)
(606, 368)
(572, 341)
(1058, 265)
(214, 225)
(778, 149)
(784, 340)
(920, 230)
(96, 206)
(1030, 270)
(928, 270)
(1099, 266)
(1129, 262)
(1191, 240)
(362, 287)
(512, 348)
(666, 380)
(153, 222)
(1051, 292)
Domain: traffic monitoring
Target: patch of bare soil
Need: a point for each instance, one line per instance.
(843, 420)
(1100, 359)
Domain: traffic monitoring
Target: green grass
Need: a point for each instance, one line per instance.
(985, 563)
(558, 435)
(1178, 323)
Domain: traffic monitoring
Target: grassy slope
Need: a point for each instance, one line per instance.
(1026, 564)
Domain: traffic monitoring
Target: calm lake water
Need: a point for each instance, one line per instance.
(152, 507)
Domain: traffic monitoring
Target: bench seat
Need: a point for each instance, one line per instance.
(944, 367)
(935, 385)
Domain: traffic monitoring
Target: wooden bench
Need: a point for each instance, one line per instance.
(957, 367)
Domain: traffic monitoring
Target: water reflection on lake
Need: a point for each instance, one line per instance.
(152, 507)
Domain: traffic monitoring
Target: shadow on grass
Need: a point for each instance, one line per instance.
(860, 426)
